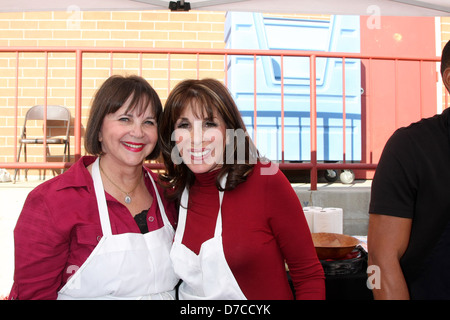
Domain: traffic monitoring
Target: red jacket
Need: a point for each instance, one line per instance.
(59, 226)
(263, 226)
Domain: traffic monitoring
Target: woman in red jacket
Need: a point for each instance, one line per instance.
(239, 219)
(101, 230)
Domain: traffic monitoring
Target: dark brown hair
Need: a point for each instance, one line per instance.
(210, 96)
(110, 97)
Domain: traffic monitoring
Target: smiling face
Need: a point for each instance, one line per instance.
(200, 140)
(128, 137)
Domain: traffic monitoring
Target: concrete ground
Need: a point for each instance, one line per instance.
(353, 198)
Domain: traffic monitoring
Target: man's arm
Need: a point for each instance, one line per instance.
(387, 240)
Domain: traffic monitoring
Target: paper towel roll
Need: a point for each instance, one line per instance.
(312, 208)
(337, 217)
(328, 220)
(309, 215)
(322, 222)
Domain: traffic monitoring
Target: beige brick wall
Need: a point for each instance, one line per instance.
(146, 29)
(445, 30)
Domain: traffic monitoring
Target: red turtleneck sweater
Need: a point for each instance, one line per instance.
(263, 226)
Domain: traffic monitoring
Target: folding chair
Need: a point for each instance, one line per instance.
(55, 113)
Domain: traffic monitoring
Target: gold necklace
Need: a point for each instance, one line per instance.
(127, 194)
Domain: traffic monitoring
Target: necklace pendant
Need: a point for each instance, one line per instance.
(127, 199)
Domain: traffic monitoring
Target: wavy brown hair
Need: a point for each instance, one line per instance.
(110, 97)
(211, 96)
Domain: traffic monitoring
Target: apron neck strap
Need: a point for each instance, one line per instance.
(101, 199)
(218, 230)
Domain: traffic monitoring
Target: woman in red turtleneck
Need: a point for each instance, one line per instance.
(240, 220)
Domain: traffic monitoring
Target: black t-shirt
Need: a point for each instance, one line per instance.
(412, 180)
(141, 221)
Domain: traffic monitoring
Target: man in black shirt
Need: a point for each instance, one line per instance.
(409, 224)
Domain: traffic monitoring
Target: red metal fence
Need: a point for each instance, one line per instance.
(313, 165)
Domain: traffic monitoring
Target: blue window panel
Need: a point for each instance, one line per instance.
(339, 34)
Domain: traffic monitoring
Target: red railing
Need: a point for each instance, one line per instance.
(313, 165)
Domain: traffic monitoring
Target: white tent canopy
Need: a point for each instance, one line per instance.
(357, 7)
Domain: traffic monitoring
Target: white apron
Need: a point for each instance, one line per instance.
(125, 266)
(206, 275)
